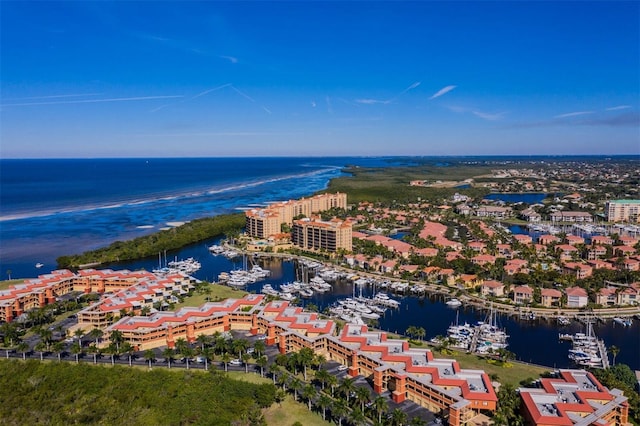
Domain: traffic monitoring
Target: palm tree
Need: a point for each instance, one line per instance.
(187, 353)
(398, 417)
(417, 421)
(274, 370)
(149, 356)
(346, 387)
(113, 350)
(282, 381)
(168, 353)
(279, 396)
(219, 344)
(614, 352)
(322, 376)
(305, 358)
(309, 392)
(245, 357)
(239, 346)
(357, 417)
(225, 359)
(93, 349)
(127, 348)
(332, 381)
(380, 406)
(96, 334)
(296, 385)
(362, 396)
(262, 363)
(259, 347)
(323, 403)
(411, 331)
(420, 332)
(116, 338)
(41, 347)
(46, 335)
(76, 349)
(78, 334)
(24, 348)
(339, 410)
(58, 347)
(203, 340)
(206, 353)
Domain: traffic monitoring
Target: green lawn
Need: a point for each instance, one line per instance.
(218, 292)
(284, 414)
(512, 373)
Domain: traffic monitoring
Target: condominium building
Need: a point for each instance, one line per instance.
(44, 290)
(573, 398)
(622, 210)
(407, 373)
(262, 223)
(315, 234)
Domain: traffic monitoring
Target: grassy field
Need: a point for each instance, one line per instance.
(218, 292)
(288, 412)
(385, 184)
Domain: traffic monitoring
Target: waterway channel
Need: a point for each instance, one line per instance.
(531, 341)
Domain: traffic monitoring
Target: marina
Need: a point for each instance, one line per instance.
(424, 305)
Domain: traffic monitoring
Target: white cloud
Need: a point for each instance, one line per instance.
(619, 107)
(368, 101)
(231, 59)
(371, 101)
(313, 104)
(443, 91)
(573, 114)
(489, 116)
(75, 95)
(267, 110)
(211, 90)
(90, 101)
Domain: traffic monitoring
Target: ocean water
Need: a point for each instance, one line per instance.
(50, 208)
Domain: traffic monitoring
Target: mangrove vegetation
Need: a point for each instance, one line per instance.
(150, 245)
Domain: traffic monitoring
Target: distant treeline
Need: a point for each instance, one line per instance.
(34, 392)
(150, 245)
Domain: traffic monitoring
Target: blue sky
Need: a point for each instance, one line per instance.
(203, 79)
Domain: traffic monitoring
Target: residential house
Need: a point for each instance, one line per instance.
(574, 240)
(576, 297)
(492, 288)
(550, 297)
(548, 239)
(596, 252)
(516, 266)
(579, 217)
(579, 270)
(607, 296)
(601, 240)
(567, 251)
(483, 259)
(523, 239)
(464, 281)
(494, 212)
(522, 294)
(630, 295)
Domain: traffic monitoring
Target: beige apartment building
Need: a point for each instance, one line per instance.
(622, 210)
(262, 223)
(315, 234)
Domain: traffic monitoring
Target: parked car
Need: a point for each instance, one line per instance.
(235, 362)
